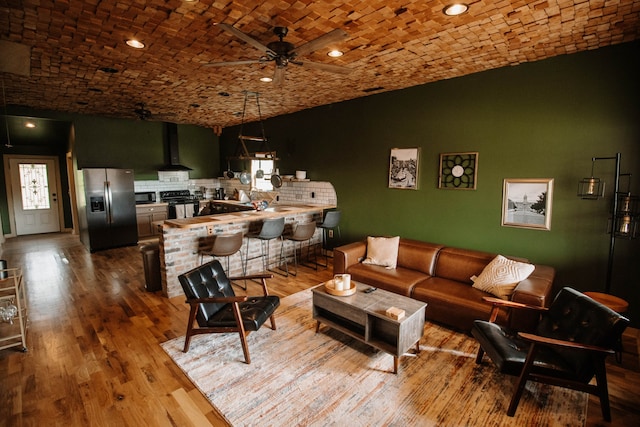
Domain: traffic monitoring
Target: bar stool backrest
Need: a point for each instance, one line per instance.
(304, 231)
(227, 244)
(331, 219)
(271, 228)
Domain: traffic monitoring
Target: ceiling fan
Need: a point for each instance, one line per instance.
(284, 53)
(143, 113)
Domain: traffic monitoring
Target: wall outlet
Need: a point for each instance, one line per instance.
(330, 234)
(210, 230)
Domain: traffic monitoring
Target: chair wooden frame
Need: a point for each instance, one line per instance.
(194, 304)
(598, 354)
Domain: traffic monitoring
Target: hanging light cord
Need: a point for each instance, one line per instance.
(6, 117)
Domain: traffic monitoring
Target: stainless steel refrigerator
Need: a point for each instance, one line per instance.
(106, 208)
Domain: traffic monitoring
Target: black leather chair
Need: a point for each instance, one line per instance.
(568, 348)
(217, 309)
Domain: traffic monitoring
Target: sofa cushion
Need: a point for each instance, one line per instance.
(501, 276)
(382, 251)
(460, 264)
(398, 280)
(417, 255)
(454, 303)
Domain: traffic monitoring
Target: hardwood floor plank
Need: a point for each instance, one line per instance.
(93, 344)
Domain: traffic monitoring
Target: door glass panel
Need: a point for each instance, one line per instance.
(34, 186)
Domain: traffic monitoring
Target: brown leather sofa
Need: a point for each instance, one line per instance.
(441, 277)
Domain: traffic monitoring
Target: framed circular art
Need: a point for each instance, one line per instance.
(458, 171)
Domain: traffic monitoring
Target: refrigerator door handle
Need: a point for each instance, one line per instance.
(109, 197)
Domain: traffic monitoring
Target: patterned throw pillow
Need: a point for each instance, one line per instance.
(501, 276)
(382, 251)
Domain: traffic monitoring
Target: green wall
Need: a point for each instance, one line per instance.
(537, 120)
(139, 145)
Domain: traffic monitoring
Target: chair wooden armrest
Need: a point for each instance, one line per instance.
(253, 277)
(561, 343)
(497, 303)
(259, 276)
(219, 300)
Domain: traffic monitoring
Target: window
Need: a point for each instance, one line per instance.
(266, 166)
(34, 186)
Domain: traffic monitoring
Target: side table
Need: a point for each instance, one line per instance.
(613, 302)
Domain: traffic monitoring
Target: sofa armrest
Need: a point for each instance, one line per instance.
(536, 290)
(347, 255)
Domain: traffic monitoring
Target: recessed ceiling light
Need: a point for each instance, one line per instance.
(266, 79)
(335, 53)
(455, 9)
(135, 43)
(30, 125)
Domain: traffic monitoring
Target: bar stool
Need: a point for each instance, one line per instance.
(271, 229)
(225, 245)
(331, 222)
(303, 232)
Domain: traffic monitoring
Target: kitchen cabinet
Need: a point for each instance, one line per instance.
(146, 215)
(13, 309)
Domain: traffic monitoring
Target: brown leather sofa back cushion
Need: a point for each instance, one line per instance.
(419, 256)
(460, 264)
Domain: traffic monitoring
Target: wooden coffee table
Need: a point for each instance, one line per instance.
(362, 316)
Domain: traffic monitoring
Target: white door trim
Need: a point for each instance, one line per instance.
(7, 179)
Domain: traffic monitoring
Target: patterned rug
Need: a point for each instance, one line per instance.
(300, 378)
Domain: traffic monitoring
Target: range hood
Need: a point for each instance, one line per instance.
(170, 140)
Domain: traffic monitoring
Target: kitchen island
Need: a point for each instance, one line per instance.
(181, 239)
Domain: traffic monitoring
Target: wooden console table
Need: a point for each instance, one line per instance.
(362, 316)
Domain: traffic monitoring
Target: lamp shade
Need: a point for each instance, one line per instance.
(591, 188)
(627, 216)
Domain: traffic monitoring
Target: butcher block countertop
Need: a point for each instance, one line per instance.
(274, 211)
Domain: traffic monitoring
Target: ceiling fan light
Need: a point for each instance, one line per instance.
(135, 43)
(455, 9)
(335, 53)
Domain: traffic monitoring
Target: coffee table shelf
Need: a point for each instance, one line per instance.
(362, 316)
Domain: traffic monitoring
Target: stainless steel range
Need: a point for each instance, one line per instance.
(182, 204)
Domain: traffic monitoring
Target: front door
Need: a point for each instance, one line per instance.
(35, 196)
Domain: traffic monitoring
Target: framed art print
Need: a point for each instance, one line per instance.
(403, 168)
(458, 171)
(526, 203)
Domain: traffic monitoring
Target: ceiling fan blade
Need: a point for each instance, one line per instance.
(278, 76)
(322, 41)
(229, 63)
(323, 67)
(249, 40)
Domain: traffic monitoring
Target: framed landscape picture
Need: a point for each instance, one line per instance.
(403, 168)
(526, 203)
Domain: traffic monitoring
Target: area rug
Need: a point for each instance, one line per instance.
(300, 378)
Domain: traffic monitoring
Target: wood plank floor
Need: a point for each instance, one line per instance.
(93, 356)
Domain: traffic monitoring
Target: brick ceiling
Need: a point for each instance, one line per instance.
(391, 45)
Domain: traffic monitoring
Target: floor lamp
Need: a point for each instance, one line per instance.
(624, 209)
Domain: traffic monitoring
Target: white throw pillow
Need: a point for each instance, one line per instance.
(382, 251)
(502, 275)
